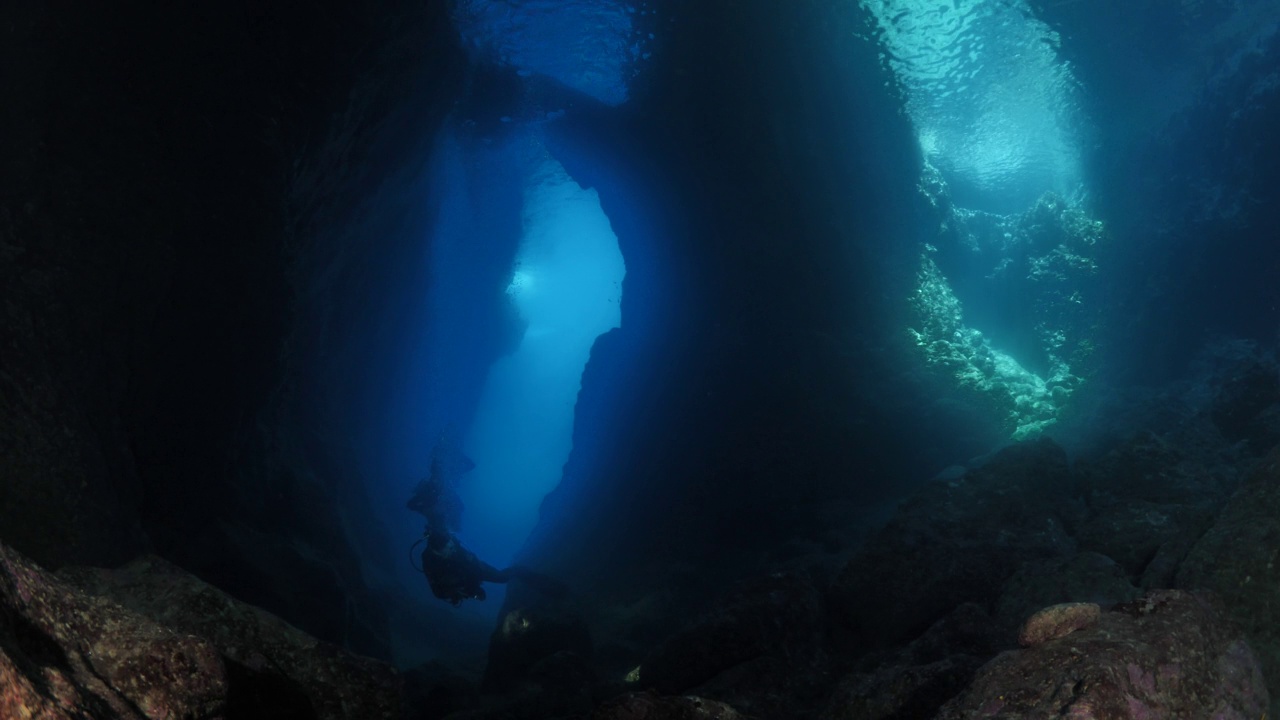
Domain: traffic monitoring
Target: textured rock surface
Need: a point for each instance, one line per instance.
(271, 661)
(1153, 495)
(955, 542)
(1189, 465)
(1085, 577)
(774, 615)
(1237, 560)
(1170, 654)
(649, 706)
(1132, 532)
(67, 653)
(528, 636)
(901, 692)
(918, 679)
(1242, 403)
(1057, 621)
(432, 691)
(967, 630)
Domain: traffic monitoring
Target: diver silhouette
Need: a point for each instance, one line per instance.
(454, 572)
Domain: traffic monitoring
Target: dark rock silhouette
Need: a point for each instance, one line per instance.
(1236, 559)
(213, 221)
(648, 706)
(958, 541)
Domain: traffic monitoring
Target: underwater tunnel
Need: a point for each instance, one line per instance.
(739, 357)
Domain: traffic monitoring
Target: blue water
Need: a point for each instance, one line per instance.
(592, 46)
(994, 106)
(1051, 252)
(566, 284)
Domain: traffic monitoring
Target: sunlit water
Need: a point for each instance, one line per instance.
(591, 46)
(567, 287)
(994, 107)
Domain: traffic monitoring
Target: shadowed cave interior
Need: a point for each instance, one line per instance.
(806, 360)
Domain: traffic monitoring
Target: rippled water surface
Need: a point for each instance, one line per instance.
(994, 106)
(589, 45)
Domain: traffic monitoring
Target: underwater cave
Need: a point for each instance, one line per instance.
(640, 359)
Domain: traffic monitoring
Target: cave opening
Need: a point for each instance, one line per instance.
(703, 294)
(566, 285)
(1005, 306)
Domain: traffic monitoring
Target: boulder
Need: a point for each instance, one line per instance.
(650, 706)
(1189, 466)
(1236, 559)
(915, 681)
(1244, 405)
(1170, 654)
(898, 692)
(777, 615)
(1162, 571)
(966, 630)
(275, 669)
(958, 541)
(1086, 577)
(538, 644)
(433, 691)
(1132, 532)
(66, 653)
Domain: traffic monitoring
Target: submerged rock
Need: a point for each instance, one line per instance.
(1170, 654)
(1187, 467)
(1057, 621)
(1086, 577)
(274, 669)
(915, 681)
(433, 691)
(1244, 406)
(1236, 559)
(898, 692)
(544, 645)
(65, 653)
(1153, 496)
(649, 706)
(956, 542)
(777, 614)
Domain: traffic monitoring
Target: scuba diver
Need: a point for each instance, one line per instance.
(454, 572)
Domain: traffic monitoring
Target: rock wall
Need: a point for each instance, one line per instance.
(171, 179)
(727, 391)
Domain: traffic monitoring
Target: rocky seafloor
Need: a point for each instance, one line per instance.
(1138, 581)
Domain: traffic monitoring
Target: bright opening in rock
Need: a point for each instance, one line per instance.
(1003, 305)
(566, 285)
